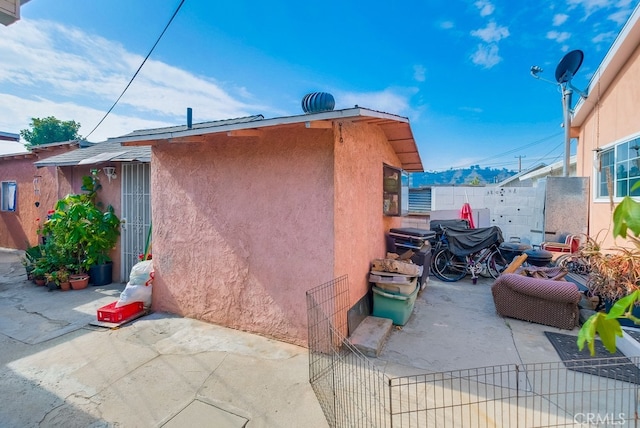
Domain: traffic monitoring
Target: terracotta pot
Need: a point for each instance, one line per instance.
(39, 281)
(78, 282)
(65, 286)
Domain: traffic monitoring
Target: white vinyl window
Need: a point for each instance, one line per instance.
(622, 163)
(9, 196)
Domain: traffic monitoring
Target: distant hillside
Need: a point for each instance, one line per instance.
(455, 177)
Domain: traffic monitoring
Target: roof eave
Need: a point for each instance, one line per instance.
(625, 44)
(408, 154)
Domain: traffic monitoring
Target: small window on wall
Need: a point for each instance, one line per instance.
(395, 187)
(9, 196)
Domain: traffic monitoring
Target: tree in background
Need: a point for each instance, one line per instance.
(50, 130)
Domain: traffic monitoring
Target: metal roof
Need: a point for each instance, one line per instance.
(107, 151)
(8, 136)
(396, 129)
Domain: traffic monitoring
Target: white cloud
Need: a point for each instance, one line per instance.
(17, 113)
(619, 17)
(44, 61)
(447, 25)
(486, 55)
(560, 19)
(486, 7)
(558, 36)
(387, 100)
(589, 6)
(605, 37)
(419, 73)
(491, 33)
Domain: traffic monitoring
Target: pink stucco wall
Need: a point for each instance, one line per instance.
(360, 225)
(19, 229)
(616, 116)
(243, 227)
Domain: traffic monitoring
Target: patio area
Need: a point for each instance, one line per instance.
(457, 363)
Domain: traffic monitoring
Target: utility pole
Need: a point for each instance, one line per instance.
(520, 162)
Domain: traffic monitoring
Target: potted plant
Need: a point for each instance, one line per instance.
(31, 254)
(83, 232)
(52, 280)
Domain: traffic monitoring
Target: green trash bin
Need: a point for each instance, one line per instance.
(397, 307)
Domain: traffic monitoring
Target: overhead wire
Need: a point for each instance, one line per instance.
(139, 68)
(514, 150)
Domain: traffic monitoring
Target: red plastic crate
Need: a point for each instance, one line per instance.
(110, 313)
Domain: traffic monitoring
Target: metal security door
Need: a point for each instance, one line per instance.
(136, 213)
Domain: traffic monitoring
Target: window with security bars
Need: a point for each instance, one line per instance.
(9, 196)
(619, 167)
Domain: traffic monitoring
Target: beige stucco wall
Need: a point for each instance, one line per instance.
(244, 226)
(616, 116)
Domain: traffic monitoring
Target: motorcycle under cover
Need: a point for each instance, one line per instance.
(463, 242)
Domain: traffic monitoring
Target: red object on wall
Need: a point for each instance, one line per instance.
(467, 214)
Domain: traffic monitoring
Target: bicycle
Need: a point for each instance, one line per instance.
(481, 255)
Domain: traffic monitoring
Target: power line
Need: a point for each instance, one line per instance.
(508, 152)
(139, 68)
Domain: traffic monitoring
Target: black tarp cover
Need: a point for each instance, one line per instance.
(463, 242)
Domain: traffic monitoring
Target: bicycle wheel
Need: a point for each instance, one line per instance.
(496, 264)
(449, 267)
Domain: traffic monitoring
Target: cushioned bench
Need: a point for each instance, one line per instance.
(543, 301)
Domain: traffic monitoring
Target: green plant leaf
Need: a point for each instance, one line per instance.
(626, 216)
(608, 329)
(623, 305)
(587, 333)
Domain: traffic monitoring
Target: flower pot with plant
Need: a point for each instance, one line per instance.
(81, 230)
(31, 254)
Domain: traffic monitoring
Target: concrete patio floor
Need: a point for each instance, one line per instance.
(166, 371)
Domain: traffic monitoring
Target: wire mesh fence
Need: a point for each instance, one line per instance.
(354, 393)
(351, 391)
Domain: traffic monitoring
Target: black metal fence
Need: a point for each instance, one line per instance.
(354, 393)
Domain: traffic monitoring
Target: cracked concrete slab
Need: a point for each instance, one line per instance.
(158, 370)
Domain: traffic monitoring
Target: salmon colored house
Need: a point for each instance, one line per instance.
(28, 193)
(607, 125)
(249, 214)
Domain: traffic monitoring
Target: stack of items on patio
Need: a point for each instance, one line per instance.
(395, 287)
(414, 244)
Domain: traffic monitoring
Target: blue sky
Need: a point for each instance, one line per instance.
(458, 69)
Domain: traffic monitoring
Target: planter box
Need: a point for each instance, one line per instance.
(110, 313)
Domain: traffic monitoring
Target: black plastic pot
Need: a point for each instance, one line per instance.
(101, 274)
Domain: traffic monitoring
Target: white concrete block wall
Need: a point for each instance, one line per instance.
(516, 210)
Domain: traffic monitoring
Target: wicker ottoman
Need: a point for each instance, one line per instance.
(543, 301)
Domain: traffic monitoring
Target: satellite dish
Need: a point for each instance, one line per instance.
(568, 66)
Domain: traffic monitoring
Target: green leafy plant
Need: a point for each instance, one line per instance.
(619, 278)
(79, 231)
